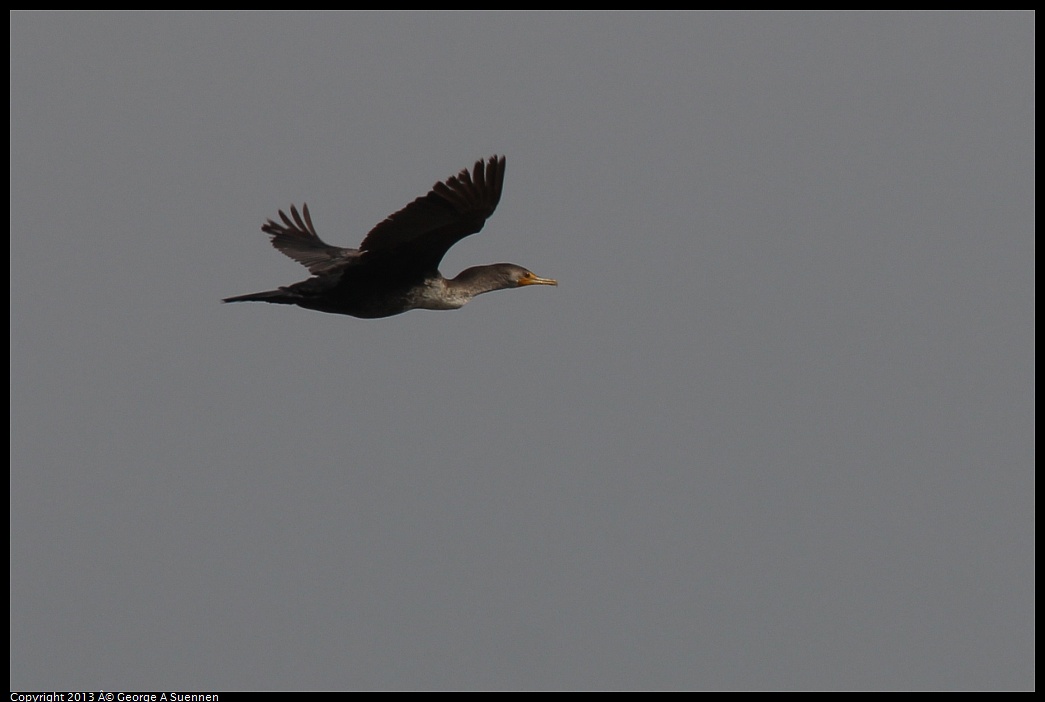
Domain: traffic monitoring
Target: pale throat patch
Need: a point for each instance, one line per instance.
(437, 295)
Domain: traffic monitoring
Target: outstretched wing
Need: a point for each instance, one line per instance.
(420, 234)
(296, 237)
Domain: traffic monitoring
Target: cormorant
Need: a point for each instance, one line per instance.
(396, 268)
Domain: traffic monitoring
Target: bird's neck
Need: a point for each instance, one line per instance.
(438, 293)
(476, 281)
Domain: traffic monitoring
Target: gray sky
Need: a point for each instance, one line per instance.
(774, 429)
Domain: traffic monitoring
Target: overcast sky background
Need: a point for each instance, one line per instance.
(774, 429)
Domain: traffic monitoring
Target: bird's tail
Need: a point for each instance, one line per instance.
(279, 297)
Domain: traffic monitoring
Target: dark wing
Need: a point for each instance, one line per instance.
(420, 234)
(297, 238)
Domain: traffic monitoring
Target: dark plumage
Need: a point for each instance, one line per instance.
(396, 268)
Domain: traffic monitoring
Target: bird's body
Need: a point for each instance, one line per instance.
(396, 268)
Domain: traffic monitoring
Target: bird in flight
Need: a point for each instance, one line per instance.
(396, 268)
